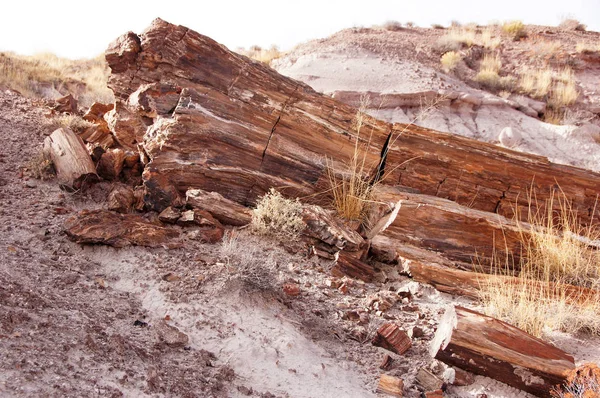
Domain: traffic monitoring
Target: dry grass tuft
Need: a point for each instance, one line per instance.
(73, 122)
(488, 73)
(246, 263)
(587, 48)
(392, 26)
(351, 186)
(514, 29)
(261, 54)
(437, 26)
(48, 76)
(40, 167)
(450, 60)
(583, 382)
(488, 40)
(276, 215)
(563, 94)
(558, 251)
(572, 24)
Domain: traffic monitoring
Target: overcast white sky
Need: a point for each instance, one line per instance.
(82, 28)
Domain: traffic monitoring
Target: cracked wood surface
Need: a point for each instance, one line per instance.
(214, 120)
(489, 347)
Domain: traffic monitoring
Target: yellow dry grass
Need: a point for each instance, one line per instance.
(558, 251)
(514, 29)
(350, 186)
(261, 54)
(450, 60)
(46, 75)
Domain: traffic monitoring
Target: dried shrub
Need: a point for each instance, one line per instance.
(392, 26)
(488, 40)
(572, 24)
(277, 215)
(266, 56)
(556, 253)
(514, 29)
(450, 60)
(437, 26)
(40, 167)
(247, 263)
(73, 122)
(583, 382)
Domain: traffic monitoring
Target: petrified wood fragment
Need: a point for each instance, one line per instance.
(489, 347)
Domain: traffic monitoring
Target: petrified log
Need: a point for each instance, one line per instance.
(390, 385)
(348, 265)
(467, 283)
(119, 230)
(459, 232)
(111, 164)
(492, 348)
(429, 381)
(70, 157)
(208, 229)
(225, 210)
(391, 337)
(214, 120)
(170, 215)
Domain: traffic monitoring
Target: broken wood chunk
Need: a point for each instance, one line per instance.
(121, 198)
(429, 381)
(111, 164)
(346, 265)
(226, 211)
(170, 215)
(70, 157)
(387, 362)
(462, 378)
(324, 226)
(66, 104)
(390, 385)
(119, 230)
(486, 346)
(392, 338)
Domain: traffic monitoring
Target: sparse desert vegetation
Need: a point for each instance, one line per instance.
(276, 215)
(264, 55)
(558, 253)
(450, 60)
(49, 76)
(514, 29)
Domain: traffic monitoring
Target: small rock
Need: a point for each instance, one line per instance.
(291, 289)
(139, 323)
(171, 277)
(169, 215)
(509, 138)
(30, 183)
(170, 335)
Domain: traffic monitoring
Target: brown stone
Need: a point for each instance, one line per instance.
(66, 104)
(391, 337)
(111, 164)
(291, 289)
(169, 215)
(121, 198)
(225, 210)
(119, 230)
(347, 265)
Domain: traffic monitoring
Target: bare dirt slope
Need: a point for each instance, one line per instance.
(198, 321)
(401, 73)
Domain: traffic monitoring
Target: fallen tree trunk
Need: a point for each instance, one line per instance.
(227, 124)
(466, 283)
(70, 157)
(489, 347)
